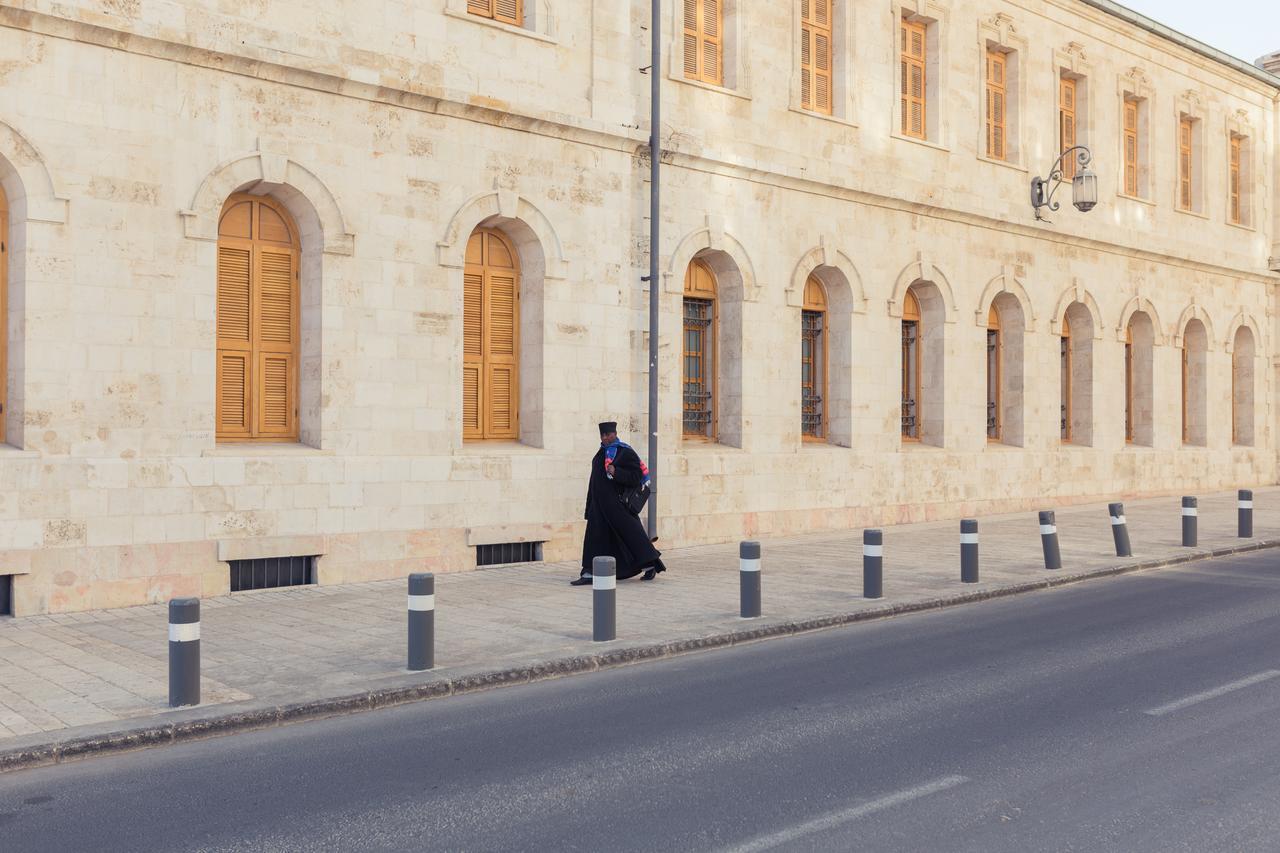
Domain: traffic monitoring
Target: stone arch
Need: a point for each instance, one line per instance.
(1193, 312)
(1243, 318)
(923, 270)
(1002, 284)
(310, 201)
(1076, 293)
(712, 237)
(493, 209)
(1144, 305)
(32, 193)
(837, 273)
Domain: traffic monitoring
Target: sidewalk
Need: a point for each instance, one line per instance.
(75, 684)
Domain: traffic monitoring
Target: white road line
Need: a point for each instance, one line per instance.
(1213, 694)
(831, 821)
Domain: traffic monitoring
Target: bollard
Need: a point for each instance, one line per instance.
(872, 564)
(969, 551)
(1049, 539)
(1189, 532)
(422, 621)
(604, 591)
(749, 579)
(1245, 513)
(184, 652)
(1120, 530)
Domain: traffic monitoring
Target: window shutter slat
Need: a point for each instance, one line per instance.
(276, 297)
(480, 7)
(233, 295)
(501, 401)
(233, 394)
(471, 427)
(276, 391)
(508, 12)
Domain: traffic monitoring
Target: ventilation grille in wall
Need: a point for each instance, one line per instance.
(6, 595)
(508, 552)
(272, 572)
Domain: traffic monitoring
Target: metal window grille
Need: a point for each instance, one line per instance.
(1065, 413)
(505, 553)
(272, 572)
(6, 595)
(993, 384)
(811, 379)
(910, 374)
(698, 408)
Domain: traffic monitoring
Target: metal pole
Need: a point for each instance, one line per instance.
(1120, 530)
(184, 652)
(422, 621)
(749, 579)
(872, 564)
(969, 551)
(1049, 539)
(655, 288)
(1244, 512)
(1189, 532)
(604, 598)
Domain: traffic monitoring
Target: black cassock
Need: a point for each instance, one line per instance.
(612, 531)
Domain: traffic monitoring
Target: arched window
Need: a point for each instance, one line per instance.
(1064, 373)
(1195, 343)
(4, 311)
(257, 382)
(1128, 384)
(813, 362)
(1242, 384)
(912, 331)
(490, 338)
(995, 348)
(699, 351)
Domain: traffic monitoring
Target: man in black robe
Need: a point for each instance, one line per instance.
(612, 530)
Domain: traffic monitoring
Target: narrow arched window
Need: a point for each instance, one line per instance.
(1128, 385)
(4, 312)
(995, 347)
(1064, 362)
(813, 362)
(257, 374)
(911, 334)
(699, 351)
(490, 338)
(1242, 386)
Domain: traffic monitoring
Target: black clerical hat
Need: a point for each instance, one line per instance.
(608, 427)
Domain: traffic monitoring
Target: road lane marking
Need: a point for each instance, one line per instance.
(831, 821)
(1213, 694)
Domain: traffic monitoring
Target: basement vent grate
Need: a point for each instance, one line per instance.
(504, 553)
(272, 572)
(6, 595)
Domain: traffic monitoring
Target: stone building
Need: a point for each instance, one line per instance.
(351, 283)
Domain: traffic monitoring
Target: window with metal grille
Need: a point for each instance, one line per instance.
(811, 365)
(1065, 360)
(6, 595)
(994, 353)
(503, 553)
(911, 369)
(698, 408)
(272, 572)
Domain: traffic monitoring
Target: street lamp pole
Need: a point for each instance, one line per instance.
(655, 166)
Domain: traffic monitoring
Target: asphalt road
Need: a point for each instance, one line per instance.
(1139, 714)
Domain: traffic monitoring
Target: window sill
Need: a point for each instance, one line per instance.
(693, 445)
(919, 446)
(1193, 213)
(1008, 164)
(9, 451)
(822, 116)
(710, 87)
(1242, 227)
(497, 448)
(255, 449)
(498, 25)
(927, 143)
(1148, 202)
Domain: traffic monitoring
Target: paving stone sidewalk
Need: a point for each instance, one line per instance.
(68, 682)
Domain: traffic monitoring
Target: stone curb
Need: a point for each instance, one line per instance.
(157, 734)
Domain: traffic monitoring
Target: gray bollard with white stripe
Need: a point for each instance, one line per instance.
(1049, 539)
(422, 621)
(1245, 513)
(1189, 523)
(872, 564)
(1120, 530)
(749, 579)
(969, 551)
(184, 652)
(604, 592)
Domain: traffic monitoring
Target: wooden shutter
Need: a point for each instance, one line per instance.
(815, 55)
(1184, 164)
(257, 322)
(996, 107)
(913, 95)
(1067, 124)
(1131, 147)
(490, 339)
(1234, 181)
(704, 41)
(504, 11)
(4, 311)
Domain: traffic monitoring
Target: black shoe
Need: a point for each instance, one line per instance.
(582, 581)
(649, 574)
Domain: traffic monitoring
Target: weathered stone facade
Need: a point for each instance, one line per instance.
(390, 130)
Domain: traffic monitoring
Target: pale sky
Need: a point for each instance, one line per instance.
(1246, 29)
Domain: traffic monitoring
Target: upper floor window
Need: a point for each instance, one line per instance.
(813, 362)
(1068, 122)
(1134, 149)
(503, 11)
(913, 61)
(704, 41)
(700, 300)
(257, 321)
(997, 105)
(816, 62)
(490, 332)
(1233, 180)
(1185, 137)
(1239, 206)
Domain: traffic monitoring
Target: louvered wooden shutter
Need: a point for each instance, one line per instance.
(505, 11)
(912, 62)
(235, 341)
(1234, 182)
(995, 105)
(277, 342)
(1067, 123)
(703, 41)
(1131, 147)
(490, 339)
(1184, 164)
(472, 349)
(815, 55)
